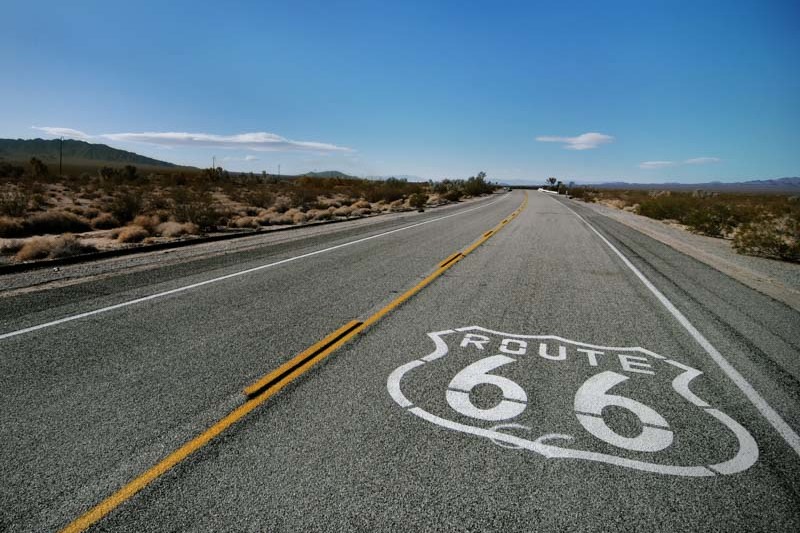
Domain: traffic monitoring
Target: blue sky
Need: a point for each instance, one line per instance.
(640, 91)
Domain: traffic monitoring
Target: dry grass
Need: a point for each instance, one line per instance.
(132, 234)
(153, 204)
(56, 222)
(11, 227)
(176, 229)
(52, 248)
(104, 221)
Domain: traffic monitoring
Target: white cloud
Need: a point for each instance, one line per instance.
(702, 160)
(63, 132)
(256, 141)
(248, 158)
(584, 141)
(664, 164)
(656, 164)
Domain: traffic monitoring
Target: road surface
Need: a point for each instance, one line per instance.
(568, 373)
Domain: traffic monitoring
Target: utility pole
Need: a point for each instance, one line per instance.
(279, 171)
(60, 155)
(214, 162)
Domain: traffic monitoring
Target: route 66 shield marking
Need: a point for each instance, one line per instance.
(488, 396)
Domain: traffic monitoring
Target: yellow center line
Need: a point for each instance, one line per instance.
(269, 385)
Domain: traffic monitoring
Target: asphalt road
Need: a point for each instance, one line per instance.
(537, 384)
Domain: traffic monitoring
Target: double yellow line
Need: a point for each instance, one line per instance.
(269, 385)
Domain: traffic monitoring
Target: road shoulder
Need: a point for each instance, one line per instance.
(776, 279)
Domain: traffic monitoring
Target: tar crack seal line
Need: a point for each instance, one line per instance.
(608, 368)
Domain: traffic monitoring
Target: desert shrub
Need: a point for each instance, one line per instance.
(56, 222)
(104, 221)
(11, 246)
(716, 220)
(148, 222)
(282, 220)
(38, 201)
(584, 193)
(158, 202)
(282, 204)
(299, 218)
(245, 222)
(88, 212)
(132, 234)
(308, 197)
(52, 248)
(176, 229)
(477, 185)
(38, 169)
(418, 200)
(13, 203)
(11, 227)
(126, 205)
(196, 207)
(343, 211)
(453, 195)
(8, 170)
(773, 237)
(259, 197)
(319, 214)
(666, 207)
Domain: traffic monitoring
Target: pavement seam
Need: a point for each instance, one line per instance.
(269, 385)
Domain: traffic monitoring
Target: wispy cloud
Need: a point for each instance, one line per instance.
(63, 132)
(246, 158)
(649, 165)
(584, 141)
(656, 164)
(702, 160)
(256, 141)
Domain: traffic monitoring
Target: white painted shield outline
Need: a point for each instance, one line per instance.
(744, 458)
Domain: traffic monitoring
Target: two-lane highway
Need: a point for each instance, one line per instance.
(101, 380)
(567, 374)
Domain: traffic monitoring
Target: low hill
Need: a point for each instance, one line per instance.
(327, 174)
(75, 152)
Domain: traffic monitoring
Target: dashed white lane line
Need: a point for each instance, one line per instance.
(772, 416)
(234, 274)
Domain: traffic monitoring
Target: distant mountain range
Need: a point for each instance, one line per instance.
(777, 185)
(74, 152)
(771, 185)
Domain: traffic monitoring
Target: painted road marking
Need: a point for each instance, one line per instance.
(233, 275)
(273, 377)
(586, 431)
(766, 410)
(262, 390)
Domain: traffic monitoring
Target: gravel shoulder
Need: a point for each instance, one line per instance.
(777, 279)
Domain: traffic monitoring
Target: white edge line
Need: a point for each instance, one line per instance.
(233, 275)
(772, 416)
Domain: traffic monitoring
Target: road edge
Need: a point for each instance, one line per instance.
(756, 281)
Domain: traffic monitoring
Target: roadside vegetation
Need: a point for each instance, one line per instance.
(765, 225)
(111, 207)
